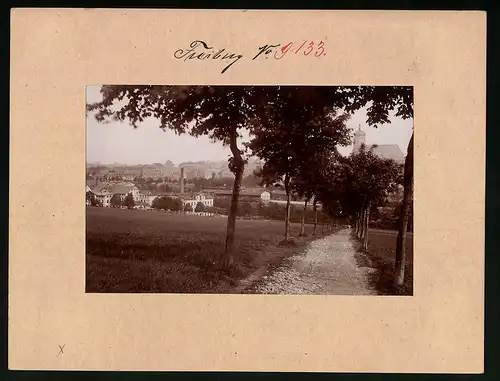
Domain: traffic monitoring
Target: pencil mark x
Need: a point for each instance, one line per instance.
(61, 349)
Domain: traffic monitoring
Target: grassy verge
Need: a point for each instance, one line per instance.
(151, 252)
(381, 256)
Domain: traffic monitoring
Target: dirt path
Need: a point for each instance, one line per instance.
(327, 266)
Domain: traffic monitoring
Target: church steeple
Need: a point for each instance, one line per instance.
(359, 138)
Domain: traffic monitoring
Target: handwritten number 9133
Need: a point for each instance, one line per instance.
(305, 47)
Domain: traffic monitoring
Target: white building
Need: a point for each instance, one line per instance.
(192, 202)
(265, 196)
(104, 191)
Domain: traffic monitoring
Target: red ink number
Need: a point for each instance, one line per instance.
(309, 49)
(320, 47)
(284, 50)
(300, 47)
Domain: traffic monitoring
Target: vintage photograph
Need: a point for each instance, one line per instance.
(249, 189)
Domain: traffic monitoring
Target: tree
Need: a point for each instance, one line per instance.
(176, 204)
(157, 203)
(363, 181)
(116, 201)
(246, 208)
(222, 203)
(289, 136)
(93, 201)
(311, 174)
(399, 270)
(164, 188)
(129, 201)
(381, 100)
(167, 203)
(219, 112)
(251, 180)
(200, 207)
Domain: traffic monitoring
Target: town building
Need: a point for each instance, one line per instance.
(192, 201)
(130, 173)
(246, 194)
(385, 151)
(153, 171)
(104, 191)
(123, 189)
(100, 191)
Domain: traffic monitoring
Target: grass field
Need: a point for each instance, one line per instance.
(152, 251)
(382, 252)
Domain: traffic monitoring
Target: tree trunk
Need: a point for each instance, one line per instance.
(315, 218)
(361, 216)
(287, 213)
(366, 222)
(238, 164)
(358, 222)
(361, 222)
(302, 223)
(399, 270)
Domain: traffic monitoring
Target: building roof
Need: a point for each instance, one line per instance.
(106, 187)
(249, 192)
(388, 151)
(121, 188)
(98, 187)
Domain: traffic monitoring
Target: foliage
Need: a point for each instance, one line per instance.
(200, 207)
(116, 201)
(246, 209)
(361, 179)
(220, 112)
(167, 203)
(129, 201)
(222, 203)
(289, 138)
(92, 199)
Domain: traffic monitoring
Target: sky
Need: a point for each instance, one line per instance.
(121, 143)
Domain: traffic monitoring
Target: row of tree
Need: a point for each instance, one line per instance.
(115, 202)
(292, 130)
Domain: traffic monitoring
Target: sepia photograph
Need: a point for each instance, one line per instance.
(249, 189)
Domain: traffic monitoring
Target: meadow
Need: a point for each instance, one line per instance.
(154, 251)
(382, 252)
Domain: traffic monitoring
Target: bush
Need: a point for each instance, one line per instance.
(116, 201)
(200, 207)
(167, 203)
(245, 209)
(222, 203)
(129, 201)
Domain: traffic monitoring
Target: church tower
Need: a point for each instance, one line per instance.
(359, 138)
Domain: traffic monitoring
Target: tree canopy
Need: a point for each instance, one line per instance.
(128, 201)
(167, 203)
(276, 115)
